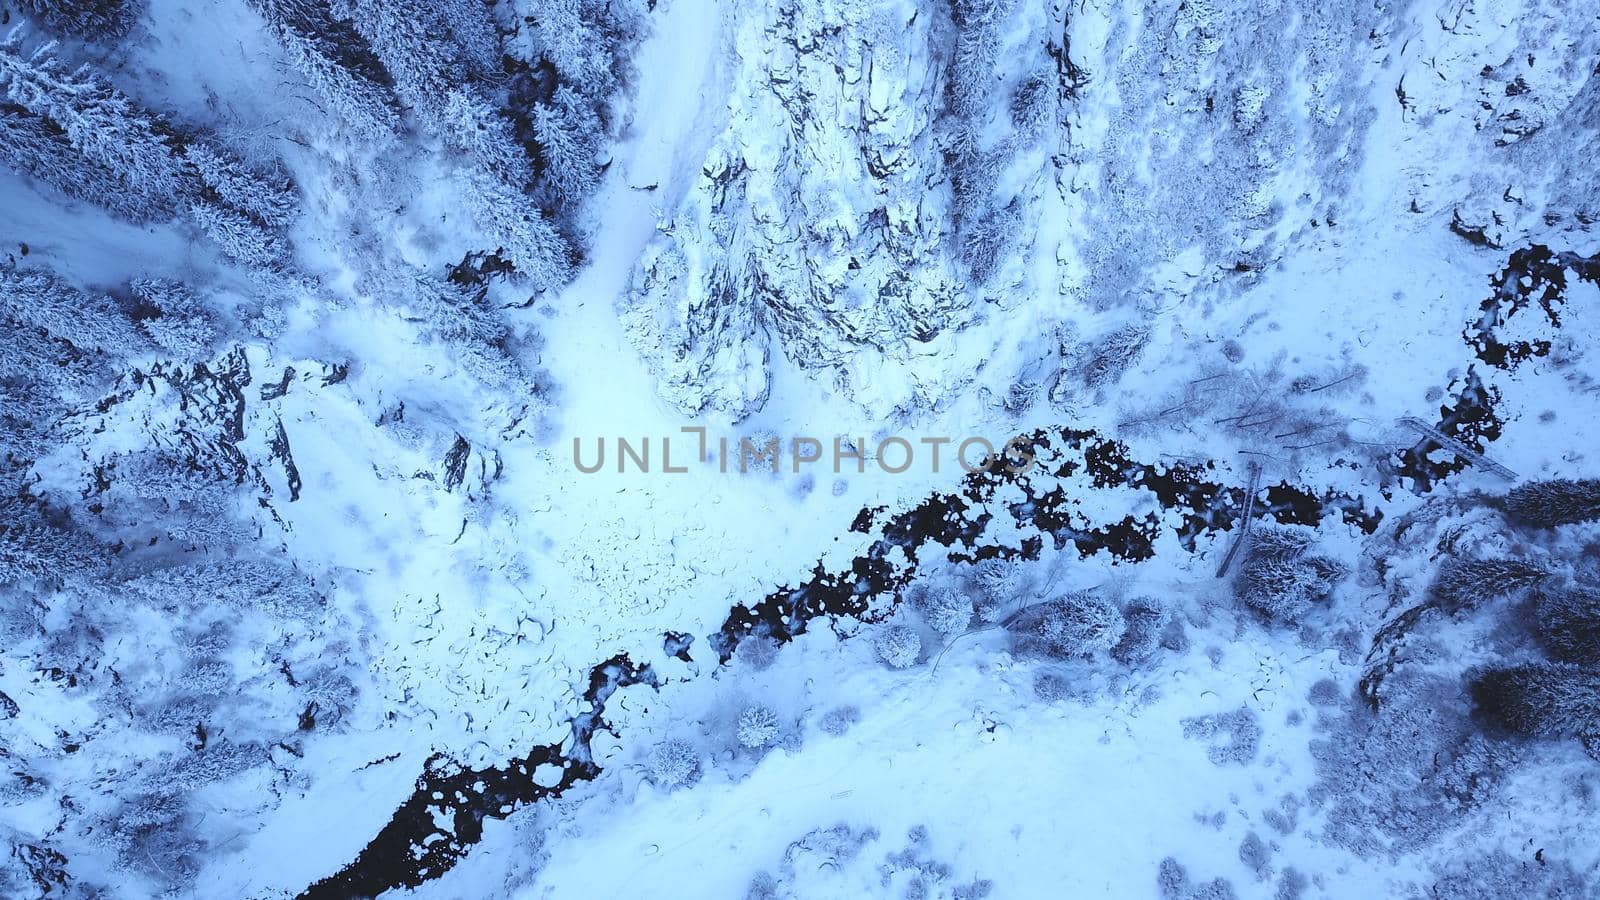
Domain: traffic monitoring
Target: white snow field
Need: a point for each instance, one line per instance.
(312, 314)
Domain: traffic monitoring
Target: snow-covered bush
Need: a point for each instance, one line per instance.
(758, 727)
(1234, 737)
(1172, 879)
(1464, 584)
(1145, 620)
(1292, 885)
(1325, 692)
(1559, 501)
(764, 886)
(1568, 624)
(838, 721)
(808, 861)
(31, 867)
(673, 763)
(947, 611)
(898, 645)
(1282, 579)
(1256, 855)
(1497, 875)
(1077, 625)
(758, 652)
(1052, 687)
(1540, 700)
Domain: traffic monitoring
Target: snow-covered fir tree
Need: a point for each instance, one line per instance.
(336, 62)
(90, 19)
(567, 133)
(1080, 624)
(37, 147)
(1542, 700)
(1559, 501)
(96, 119)
(88, 321)
(175, 318)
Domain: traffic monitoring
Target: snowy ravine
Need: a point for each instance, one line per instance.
(1282, 581)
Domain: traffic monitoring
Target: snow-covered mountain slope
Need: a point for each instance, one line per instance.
(325, 571)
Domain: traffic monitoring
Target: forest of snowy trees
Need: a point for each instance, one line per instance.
(518, 104)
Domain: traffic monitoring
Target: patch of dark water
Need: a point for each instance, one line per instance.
(414, 847)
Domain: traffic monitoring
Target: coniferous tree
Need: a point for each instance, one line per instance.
(977, 48)
(452, 311)
(38, 375)
(1559, 501)
(947, 612)
(1539, 700)
(181, 500)
(472, 29)
(561, 37)
(87, 321)
(38, 365)
(38, 148)
(1077, 625)
(1002, 587)
(239, 236)
(526, 238)
(32, 548)
(96, 119)
(267, 197)
(1283, 578)
(1568, 624)
(567, 132)
(1466, 583)
(432, 76)
(336, 61)
(758, 727)
(474, 127)
(242, 583)
(84, 18)
(244, 211)
(412, 39)
(175, 318)
(1146, 620)
(898, 645)
(674, 763)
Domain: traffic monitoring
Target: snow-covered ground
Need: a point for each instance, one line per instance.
(1175, 246)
